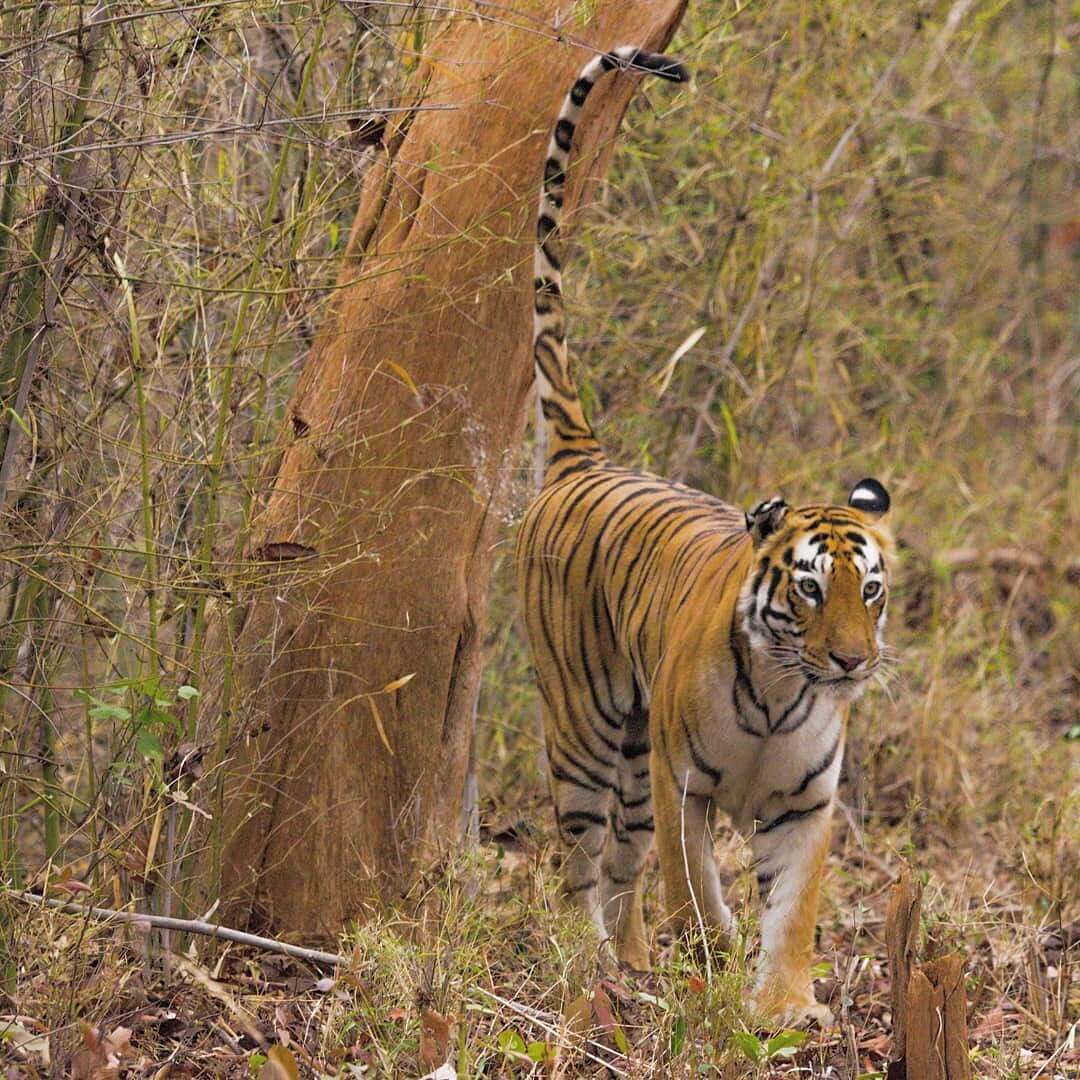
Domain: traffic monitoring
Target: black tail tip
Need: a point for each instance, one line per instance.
(666, 67)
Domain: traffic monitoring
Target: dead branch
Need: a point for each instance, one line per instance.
(190, 926)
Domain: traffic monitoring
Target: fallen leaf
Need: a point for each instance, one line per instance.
(117, 1045)
(218, 991)
(279, 1065)
(993, 1023)
(577, 1016)
(72, 886)
(281, 1025)
(619, 990)
(434, 1039)
(443, 1072)
(876, 1044)
(605, 1018)
(15, 1037)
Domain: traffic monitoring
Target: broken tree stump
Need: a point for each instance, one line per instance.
(929, 1008)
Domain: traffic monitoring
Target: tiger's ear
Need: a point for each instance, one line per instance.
(870, 497)
(765, 518)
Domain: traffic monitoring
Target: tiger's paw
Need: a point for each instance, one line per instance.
(799, 1010)
(806, 1015)
(634, 954)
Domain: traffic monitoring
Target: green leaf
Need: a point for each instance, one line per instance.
(101, 711)
(750, 1045)
(186, 693)
(510, 1042)
(729, 424)
(621, 1042)
(149, 745)
(539, 1051)
(785, 1044)
(678, 1036)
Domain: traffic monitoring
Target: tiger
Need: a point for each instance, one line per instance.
(691, 659)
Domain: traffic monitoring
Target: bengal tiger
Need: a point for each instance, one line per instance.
(690, 658)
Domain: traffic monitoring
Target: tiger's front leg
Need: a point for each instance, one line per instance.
(789, 854)
(692, 890)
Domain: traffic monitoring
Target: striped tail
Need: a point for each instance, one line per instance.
(568, 433)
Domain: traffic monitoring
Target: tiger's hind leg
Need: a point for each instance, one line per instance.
(581, 788)
(622, 881)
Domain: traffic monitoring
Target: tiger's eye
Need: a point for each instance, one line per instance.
(810, 589)
(871, 589)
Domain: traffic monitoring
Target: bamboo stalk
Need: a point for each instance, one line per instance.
(149, 545)
(30, 300)
(9, 200)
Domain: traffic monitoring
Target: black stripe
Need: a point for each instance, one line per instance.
(613, 516)
(560, 774)
(808, 710)
(591, 884)
(564, 133)
(789, 816)
(714, 774)
(819, 768)
(553, 173)
(788, 711)
(615, 555)
(552, 410)
(546, 285)
(646, 539)
(580, 91)
(545, 226)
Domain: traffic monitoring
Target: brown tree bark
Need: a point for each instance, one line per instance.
(370, 560)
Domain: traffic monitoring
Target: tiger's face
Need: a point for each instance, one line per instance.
(816, 596)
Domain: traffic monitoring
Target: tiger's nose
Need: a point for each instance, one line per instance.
(848, 662)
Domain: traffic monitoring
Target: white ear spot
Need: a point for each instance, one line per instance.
(869, 496)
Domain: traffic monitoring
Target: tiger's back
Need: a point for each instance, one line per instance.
(597, 541)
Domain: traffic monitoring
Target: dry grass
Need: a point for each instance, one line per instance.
(884, 260)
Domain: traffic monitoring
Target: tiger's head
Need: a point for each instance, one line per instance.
(817, 592)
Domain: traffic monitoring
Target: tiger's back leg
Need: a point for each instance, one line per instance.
(622, 881)
(586, 689)
(582, 782)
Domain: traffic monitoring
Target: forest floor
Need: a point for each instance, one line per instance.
(493, 973)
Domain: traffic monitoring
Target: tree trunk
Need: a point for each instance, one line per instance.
(355, 648)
